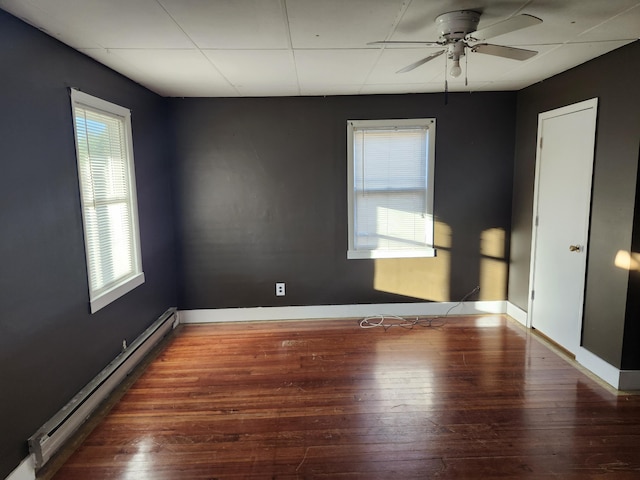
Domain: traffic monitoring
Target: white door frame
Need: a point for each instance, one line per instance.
(576, 107)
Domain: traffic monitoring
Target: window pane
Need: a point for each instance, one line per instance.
(108, 197)
(391, 201)
(110, 244)
(394, 159)
(391, 220)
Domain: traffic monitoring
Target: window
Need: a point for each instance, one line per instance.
(104, 151)
(390, 175)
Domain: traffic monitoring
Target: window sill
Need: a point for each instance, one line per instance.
(361, 254)
(105, 298)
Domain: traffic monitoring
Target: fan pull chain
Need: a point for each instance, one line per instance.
(466, 69)
(446, 83)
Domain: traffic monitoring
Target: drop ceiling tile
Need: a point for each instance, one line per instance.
(231, 24)
(325, 40)
(557, 59)
(339, 23)
(320, 89)
(333, 67)
(107, 24)
(250, 71)
(400, 88)
(106, 57)
(564, 21)
(618, 27)
(501, 86)
(171, 73)
(54, 24)
(270, 90)
(457, 85)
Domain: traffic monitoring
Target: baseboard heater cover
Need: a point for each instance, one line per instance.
(52, 435)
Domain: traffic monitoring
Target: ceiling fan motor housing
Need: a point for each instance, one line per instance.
(455, 26)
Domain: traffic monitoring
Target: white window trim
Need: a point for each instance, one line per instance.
(98, 300)
(429, 251)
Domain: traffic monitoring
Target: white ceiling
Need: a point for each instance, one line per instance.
(238, 48)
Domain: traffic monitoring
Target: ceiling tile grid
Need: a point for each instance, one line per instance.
(227, 48)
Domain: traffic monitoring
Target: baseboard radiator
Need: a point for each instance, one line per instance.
(52, 435)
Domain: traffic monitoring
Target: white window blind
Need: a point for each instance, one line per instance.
(391, 166)
(107, 189)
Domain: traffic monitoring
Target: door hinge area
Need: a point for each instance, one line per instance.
(533, 294)
(536, 222)
(541, 143)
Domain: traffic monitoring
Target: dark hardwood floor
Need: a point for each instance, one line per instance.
(477, 397)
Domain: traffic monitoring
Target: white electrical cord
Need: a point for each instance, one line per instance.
(379, 320)
(368, 322)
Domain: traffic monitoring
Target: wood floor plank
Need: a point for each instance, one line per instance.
(470, 397)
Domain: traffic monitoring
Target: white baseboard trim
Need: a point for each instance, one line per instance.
(339, 311)
(598, 366)
(624, 380)
(517, 313)
(25, 471)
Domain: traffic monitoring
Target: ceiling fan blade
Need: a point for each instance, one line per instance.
(505, 52)
(408, 68)
(400, 42)
(509, 25)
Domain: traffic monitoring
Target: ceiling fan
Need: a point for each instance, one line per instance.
(458, 32)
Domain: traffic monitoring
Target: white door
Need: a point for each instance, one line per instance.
(562, 199)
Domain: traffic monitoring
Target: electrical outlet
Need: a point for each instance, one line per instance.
(280, 289)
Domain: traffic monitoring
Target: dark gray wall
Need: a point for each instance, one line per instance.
(263, 195)
(50, 346)
(613, 78)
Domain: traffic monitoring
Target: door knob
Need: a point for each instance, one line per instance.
(575, 248)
